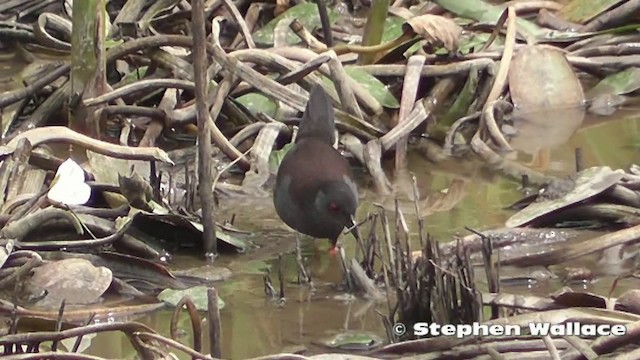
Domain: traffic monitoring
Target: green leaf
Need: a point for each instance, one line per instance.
(581, 11)
(256, 102)
(370, 83)
(197, 294)
(109, 43)
(223, 236)
(306, 13)
(353, 341)
(276, 157)
(620, 83)
(483, 12)
(474, 41)
(374, 86)
(393, 30)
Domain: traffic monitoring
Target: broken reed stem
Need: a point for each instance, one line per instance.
(281, 278)
(214, 323)
(579, 159)
(346, 270)
(269, 290)
(76, 345)
(407, 103)
(343, 85)
(306, 37)
(205, 153)
(58, 327)
(244, 29)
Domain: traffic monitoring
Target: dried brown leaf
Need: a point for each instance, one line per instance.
(436, 30)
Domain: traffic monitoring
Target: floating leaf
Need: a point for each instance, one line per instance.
(255, 103)
(306, 13)
(354, 341)
(197, 294)
(68, 185)
(437, 30)
(620, 83)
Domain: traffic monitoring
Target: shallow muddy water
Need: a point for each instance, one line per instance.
(254, 326)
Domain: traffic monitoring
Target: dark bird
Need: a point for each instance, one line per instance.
(315, 193)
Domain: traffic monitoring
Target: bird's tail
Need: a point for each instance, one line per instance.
(318, 119)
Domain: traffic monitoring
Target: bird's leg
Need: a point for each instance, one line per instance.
(301, 268)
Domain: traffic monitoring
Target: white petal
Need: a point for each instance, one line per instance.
(69, 186)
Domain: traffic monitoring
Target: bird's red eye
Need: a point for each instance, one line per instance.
(334, 207)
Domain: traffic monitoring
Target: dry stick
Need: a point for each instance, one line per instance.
(457, 68)
(569, 251)
(196, 326)
(303, 70)
(407, 102)
(140, 85)
(326, 24)
(340, 80)
(40, 136)
(306, 37)
(346, 270)
(453, 130)
(373, 157)
(579, 159)
(214, 323)
(205, 176)
(76, 345)
(250, 18)
(613, 17)
(510, 40)
(510, 168)
(368, 102)
(281, 278)
(488, 119)
(534, 5)
(231, 7)
(499, 84)
(167, 104)
(495, 355)
(58, 327)
(221, 92)
(580, 346)
(51, 355)
(364, 282)
(12, 97)
(605, 344)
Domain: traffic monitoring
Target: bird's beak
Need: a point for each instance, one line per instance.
(351, 226)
